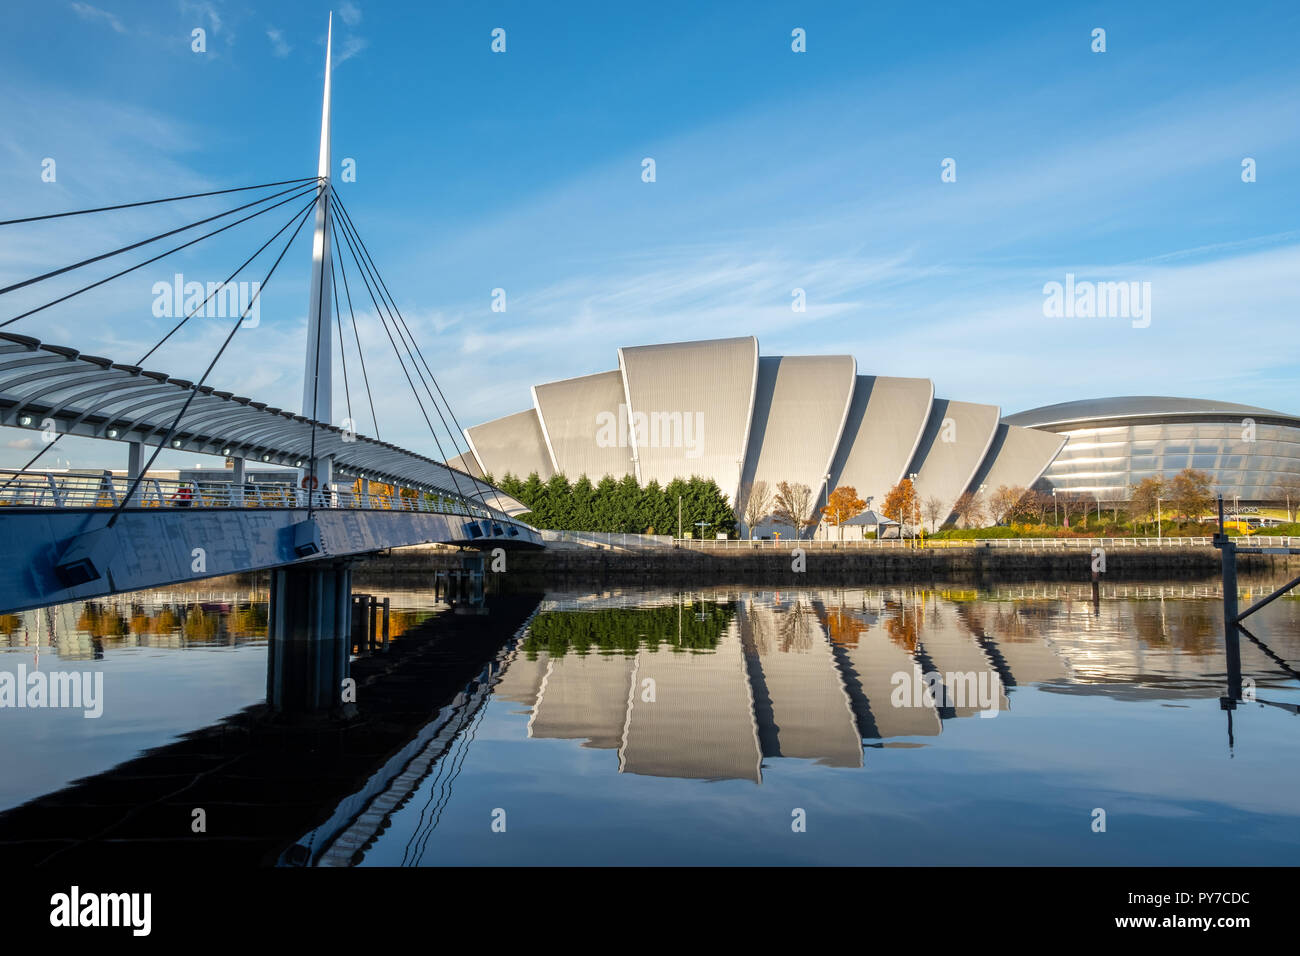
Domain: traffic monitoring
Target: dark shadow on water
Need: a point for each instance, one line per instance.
(265, 775)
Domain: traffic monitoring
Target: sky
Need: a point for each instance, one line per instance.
(775, 170)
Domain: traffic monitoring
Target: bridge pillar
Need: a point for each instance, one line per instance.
(238, 477)
(473, 564)
(134, 466)
(309, 635)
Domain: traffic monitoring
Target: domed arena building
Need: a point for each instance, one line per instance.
(1114, 443)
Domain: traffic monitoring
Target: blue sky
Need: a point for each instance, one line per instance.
(775, 170)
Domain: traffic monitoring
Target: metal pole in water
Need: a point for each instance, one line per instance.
(1231, 634)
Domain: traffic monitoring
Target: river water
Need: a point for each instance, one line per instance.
(1014, 725)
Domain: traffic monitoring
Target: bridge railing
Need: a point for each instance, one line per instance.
(1011, 544)
(106, 490)
(607, 540)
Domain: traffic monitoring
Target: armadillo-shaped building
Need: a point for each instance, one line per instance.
(720, 410)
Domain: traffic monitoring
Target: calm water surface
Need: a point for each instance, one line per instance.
(754, 727)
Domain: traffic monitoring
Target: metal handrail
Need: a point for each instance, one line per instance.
(105, 490)
(821, 544)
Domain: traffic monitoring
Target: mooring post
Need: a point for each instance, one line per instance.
(1231, 633)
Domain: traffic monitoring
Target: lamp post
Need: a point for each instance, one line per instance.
(912, 478)
(826, 484)
(916, 510)
(1056, 513)
(1158, 518)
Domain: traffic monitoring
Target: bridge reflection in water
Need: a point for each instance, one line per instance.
(714, 685)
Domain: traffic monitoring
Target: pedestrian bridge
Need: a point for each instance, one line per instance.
(54, 534)
(69, 536)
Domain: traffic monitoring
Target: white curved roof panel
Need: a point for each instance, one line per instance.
(690, 406)
(884, 426)
(585, 425)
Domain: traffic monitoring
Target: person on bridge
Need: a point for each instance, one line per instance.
(184, 496)
(309, 484)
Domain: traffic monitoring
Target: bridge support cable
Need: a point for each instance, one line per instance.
(399, 323)
(143, 242)
(31, 461)
(355, 334)
(459, 432)
(153, 202)
(230, 278)
(146, 262)
(379, 312)
(194, 389)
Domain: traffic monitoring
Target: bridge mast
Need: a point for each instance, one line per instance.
(317, 391)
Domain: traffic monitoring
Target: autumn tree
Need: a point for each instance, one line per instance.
(1035, 504)
(933, 511)
(757, 503)
(1189, 493)
(1143, 498)
(1070, 502)
(900, 504)
(969, 507)
(792, 506)
(1007, 502)
(1287, 491)
(842, 504)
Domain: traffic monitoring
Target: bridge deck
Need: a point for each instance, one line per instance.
(165, 537)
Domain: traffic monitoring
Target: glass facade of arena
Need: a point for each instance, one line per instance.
(1106, 461)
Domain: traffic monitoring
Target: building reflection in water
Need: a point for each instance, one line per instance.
(710, 685)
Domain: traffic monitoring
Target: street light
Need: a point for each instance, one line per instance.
(1158, 518)
(826, 484)
(916, 506)
(912, 478)
(1056, 512)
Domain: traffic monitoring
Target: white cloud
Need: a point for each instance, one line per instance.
(350, 13)
(278, 44)
(203, 9)
(350, 47)
(87, 12)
